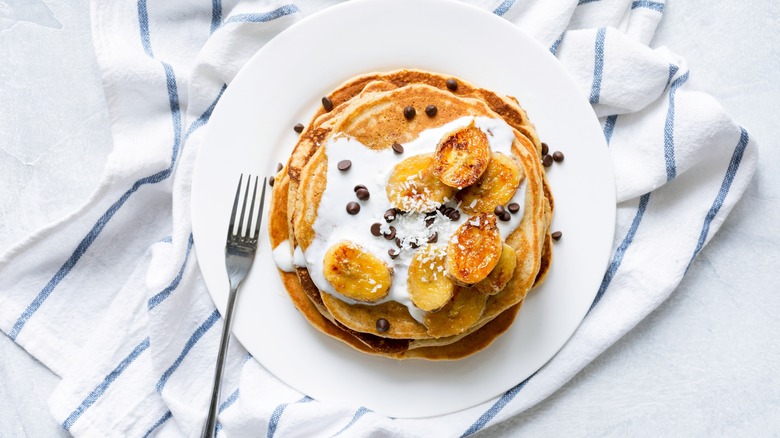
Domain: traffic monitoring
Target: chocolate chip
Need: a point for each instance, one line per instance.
(375, 229)
(429, 221)
(397, 148)
(452, 84)
(433, 238)
(505, 216)
(382, 325)
(327, 104)
(362, 193)
(556, 235)
(557, 156)
(271, 181)
(431, 110)
(344, 165)
(545, 149)
(513, 207)
(298, 128)
(409, 112)
(359, 186)
(499, 210)
(393, 253)
(279, 167)
(547, 160)
(447, 211)
(414, 244)
(353, 208)
(390, 215)
(454, 216)
(390, 235)
(398, 241)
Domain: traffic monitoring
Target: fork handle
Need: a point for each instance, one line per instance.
(211, 419)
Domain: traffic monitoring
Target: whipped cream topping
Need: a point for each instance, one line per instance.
(283, 256)
(372, 168)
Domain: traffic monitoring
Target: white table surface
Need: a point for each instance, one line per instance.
(706, 362)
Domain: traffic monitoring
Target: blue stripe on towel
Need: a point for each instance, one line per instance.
(656, 6)
(725, 186)
(496, 408)
(225, 404)
(263, 17)
(166, 416)
(672, 71)
(143, 24)
(103, 386)
(359, 413)
(598, 65)
(503, 7)
(86, 242)
(609, 127)
(199, 332)
(555, 45)
(671, 166)
(216, 14)
(229, 401)
(617, 259)
(582, 2)
(165, 293)
(277, 414)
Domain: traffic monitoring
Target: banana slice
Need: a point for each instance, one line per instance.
(462, 156)
(413, 187)
(495, 187)
(355, 273)
(474, 249)
(458, 315)
(501, 274)
(428, 284)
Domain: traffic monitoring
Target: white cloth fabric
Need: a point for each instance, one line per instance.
(110, 297)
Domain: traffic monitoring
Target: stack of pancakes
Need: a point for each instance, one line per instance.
(487, 214)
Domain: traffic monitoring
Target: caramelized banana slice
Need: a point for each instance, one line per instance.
(355, 273)
(495, 187)
(462, 156)
(412, 186)
(501, 274)
(458, 315)
(474, 249)
(428, 284)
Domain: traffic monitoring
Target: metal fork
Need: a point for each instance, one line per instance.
(240, 249)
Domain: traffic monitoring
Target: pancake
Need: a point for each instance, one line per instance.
(398, 222)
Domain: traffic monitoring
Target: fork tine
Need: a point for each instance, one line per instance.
(262, 202)
(240, 231)
(251, 210)
(232, 230)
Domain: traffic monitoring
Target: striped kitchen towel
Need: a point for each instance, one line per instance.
(110, 297)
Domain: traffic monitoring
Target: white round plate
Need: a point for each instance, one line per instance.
(251, 131)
